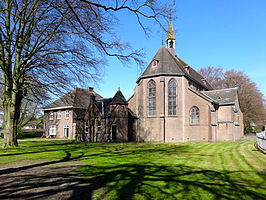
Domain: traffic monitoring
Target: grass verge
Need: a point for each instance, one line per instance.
(222, 170)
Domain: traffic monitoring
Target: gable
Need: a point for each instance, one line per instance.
(170, 65)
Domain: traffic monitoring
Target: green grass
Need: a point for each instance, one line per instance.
(222, 170)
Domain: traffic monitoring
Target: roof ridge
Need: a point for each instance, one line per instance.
(234, 88)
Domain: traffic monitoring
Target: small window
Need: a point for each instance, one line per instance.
(52, 130)
(59, 114)
(194, 115)
(154, 63)
(67, 114)
(98, 126)
(86, 127)
(51, 115)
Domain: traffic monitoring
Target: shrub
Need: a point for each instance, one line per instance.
(21, 134)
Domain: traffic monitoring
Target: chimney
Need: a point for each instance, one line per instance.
(204, 80)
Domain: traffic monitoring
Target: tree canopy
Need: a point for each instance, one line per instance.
(53, 44)
(251, 100)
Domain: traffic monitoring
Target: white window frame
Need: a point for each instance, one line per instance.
(66, 127)
(51, 115)
(67, 114)
(194, 116)
(86, 127)
(52, 130)
(59, 113)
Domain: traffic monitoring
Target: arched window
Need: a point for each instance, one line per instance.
(151, 98)
(171, 44)
(194, 115)
(172, 97)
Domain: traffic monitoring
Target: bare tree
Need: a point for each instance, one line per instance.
(213, 75)
(51, 44)
(250, 98)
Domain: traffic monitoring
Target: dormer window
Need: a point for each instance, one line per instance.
(154, 63)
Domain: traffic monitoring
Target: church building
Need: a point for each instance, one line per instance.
(174, 103)
(171, 103)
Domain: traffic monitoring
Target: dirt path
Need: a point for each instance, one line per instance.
(47, 180)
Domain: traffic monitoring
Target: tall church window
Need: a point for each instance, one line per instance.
(172, 97)
(194, 115)
(151, 98)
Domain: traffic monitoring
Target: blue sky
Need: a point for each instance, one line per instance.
(225, 33)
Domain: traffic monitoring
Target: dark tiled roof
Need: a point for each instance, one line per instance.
(170, 65)
(104, 103)
(167, 64)
(119, 99)
(33, 123)
(223, 96)
(76, 98)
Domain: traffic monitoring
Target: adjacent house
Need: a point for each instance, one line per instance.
(171, 103)
(84, 115)
(61, 117)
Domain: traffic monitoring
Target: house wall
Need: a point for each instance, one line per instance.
(229, 124)
(172, 128)
(201, 131)
(59, 123)
(119, 118)
(132, 104)
(150, 126)
(174, 123)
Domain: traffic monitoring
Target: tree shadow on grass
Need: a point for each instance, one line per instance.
(57, 179)
(130, 181)
(166, 182)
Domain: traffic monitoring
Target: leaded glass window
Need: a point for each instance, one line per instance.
(194, 115)
(172, 97)
(151, 98)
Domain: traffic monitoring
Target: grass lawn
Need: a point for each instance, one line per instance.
(222, 170)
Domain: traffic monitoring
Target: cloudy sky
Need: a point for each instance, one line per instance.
(225, 33)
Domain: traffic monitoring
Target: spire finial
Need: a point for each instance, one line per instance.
(118, 87)
(170, 32)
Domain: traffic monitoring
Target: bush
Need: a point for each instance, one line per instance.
(21, 134)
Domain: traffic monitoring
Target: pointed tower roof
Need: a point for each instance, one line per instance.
(170, 32)
(119, 99)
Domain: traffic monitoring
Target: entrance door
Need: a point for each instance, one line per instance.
(114, 128)
(66, 131)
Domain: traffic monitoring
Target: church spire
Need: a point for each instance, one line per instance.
(170, 40)
(170, 32)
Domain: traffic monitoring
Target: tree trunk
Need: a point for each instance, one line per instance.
(10, 122)
(12, 104)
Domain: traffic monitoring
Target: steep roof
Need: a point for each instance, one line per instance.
(170, 65)
(170, 32)
(78, 98)
(103, 104)
(119, 99)
(226, 96)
